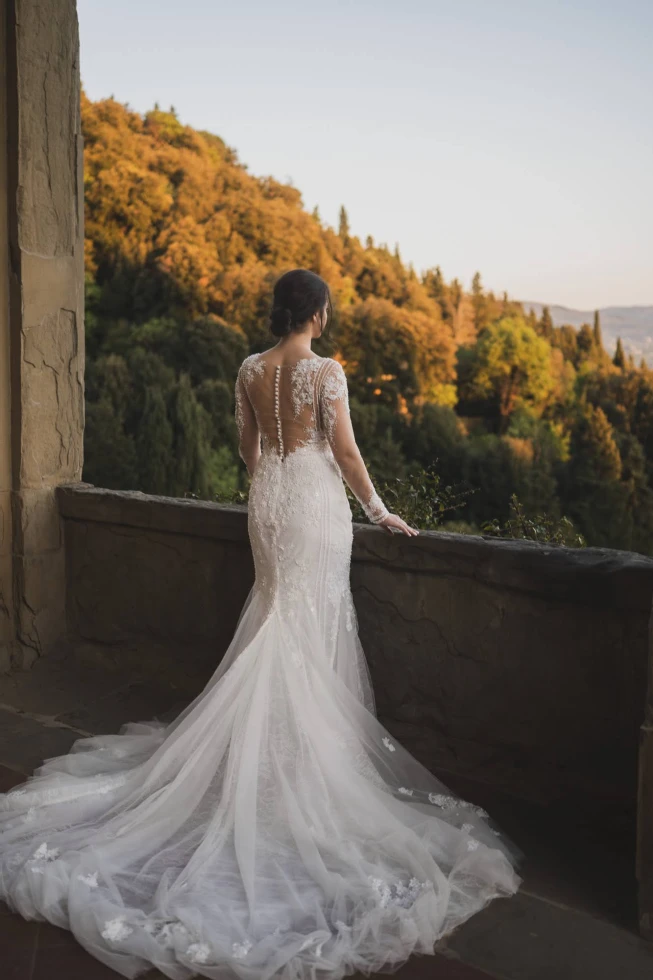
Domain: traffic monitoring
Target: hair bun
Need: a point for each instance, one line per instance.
(280, 321)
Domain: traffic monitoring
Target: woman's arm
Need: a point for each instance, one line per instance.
(249, 438)
(336, 420)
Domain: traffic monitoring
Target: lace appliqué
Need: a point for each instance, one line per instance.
(91, 879)
(334, 390)
(446, 802)
(251, 367)
(45, 853)
(115, 930)
(398, 894)
(199, 952)
(375, 510)
(240, 950)
(302, 383)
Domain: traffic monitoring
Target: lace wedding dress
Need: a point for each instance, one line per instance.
(275, 827)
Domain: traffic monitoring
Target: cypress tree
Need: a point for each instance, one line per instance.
(546, 323)
(480, 303)
(619, 359)
(598, 336)
(154, 443)
(189, 449)
(343, 226)
(585, 342)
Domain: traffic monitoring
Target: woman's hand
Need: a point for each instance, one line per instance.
(394, 523)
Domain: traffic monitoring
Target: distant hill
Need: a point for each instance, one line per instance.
(634, 324)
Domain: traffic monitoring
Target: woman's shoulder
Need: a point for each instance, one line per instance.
(333, 366)
(334, 379)
(251, 365)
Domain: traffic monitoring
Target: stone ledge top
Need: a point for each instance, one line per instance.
(591, 576)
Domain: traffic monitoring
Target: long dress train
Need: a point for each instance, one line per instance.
(275, 827)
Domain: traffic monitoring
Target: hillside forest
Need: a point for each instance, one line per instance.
(454, 391)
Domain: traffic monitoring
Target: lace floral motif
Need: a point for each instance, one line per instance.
(45, 853)
(199, 952)
(240, 950)
(115, 930)
(443, 801)
(334, 389)
(302, 381)
(90, 879)
(251, 367)
(396, 893)
(375, 510)
(334, 392)
(390, 747)
(446, 802)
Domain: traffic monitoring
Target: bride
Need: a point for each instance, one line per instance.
(275, 828)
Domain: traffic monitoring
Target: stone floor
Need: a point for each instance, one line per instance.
(573, 919)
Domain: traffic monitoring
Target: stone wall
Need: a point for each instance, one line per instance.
(506, 662)
(41, 319)
(6, 592)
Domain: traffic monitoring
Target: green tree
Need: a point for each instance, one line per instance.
(154, 440)
(343, 224)
(619, 359)
(546, 324)
(595, 498)
(512, 367)
(480, 303)
(598, 336)
(585, 343)
(110, 458)
(189, 447)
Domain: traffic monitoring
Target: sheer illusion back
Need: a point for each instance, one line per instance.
(285, 401)
(275, 828)
(304, 403)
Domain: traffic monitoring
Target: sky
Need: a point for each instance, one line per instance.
(512, 138)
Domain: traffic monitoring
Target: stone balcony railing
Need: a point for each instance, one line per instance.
(504, 662)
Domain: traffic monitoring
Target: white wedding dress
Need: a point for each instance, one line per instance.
(275, 828)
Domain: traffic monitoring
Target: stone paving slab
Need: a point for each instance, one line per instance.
(25, 742)
(527, 938)
(75, 688)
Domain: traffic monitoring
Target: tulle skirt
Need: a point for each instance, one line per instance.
(275, 828)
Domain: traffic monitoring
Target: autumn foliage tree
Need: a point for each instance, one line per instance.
(183, 246)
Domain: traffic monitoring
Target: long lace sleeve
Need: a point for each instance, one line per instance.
(249, 439)
(336, 421)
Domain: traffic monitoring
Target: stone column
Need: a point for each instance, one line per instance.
(41, 317)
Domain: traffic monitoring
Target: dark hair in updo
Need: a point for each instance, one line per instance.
(298, 295)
